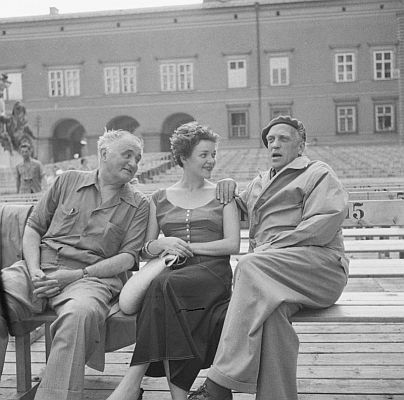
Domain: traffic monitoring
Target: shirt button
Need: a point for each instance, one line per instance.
(186, 219)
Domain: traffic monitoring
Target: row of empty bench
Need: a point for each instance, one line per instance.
(374, 239)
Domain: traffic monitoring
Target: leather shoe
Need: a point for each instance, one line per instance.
(204, 394)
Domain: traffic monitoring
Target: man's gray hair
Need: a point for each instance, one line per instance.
(113, 135)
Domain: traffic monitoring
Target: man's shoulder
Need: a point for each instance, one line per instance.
(319, 169)
(74, 178)
(134, 196)
(317, 165)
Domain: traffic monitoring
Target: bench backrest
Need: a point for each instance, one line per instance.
(377, 195)
(375, 213)
(367, 213)
(13, 218)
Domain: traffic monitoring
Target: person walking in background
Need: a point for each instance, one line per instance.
(296, 259)
(182, 314)
(30, 173)
(85, 232)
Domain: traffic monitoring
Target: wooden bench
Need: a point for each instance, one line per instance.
(369, 307)
(20, 198)
(377, 195)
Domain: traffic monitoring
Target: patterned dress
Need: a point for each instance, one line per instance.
(183, 311)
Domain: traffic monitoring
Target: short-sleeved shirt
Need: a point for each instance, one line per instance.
(73, 221)
(29, 175)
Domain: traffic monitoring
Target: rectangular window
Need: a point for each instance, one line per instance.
(236, 73)
(168, 77)
(238, 124)
(14, 91)
(72, 82)
(128, 75)
(177, 76)
(279, 71)
(383, 64)
(345, 67)
(384, 116)
(120, 78)
(64, 82)
(185, 76)
(55, 83)
(346, 119)
(111, 80)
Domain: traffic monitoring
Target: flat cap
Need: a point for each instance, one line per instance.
(284, 119)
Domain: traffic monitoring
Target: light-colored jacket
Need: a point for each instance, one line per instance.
(304, 204)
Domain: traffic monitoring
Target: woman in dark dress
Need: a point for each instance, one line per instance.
(182, 313)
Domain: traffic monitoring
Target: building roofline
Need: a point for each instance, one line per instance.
(208, 5)
(101, 14)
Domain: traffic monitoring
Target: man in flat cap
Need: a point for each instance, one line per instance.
(296, 259)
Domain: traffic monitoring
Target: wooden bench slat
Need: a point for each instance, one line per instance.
(372, 298)
(374, 263)
(359, 246)
(381, 272)
(357, 232)
(369, 232)
(352, 313)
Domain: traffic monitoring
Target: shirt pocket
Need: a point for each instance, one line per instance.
(112, 239)
(63, 221)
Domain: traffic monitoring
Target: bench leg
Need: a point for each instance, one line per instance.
(23, 362)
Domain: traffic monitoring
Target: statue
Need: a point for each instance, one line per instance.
(14, 129)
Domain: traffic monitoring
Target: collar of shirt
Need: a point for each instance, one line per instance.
(298, 163)
(267, 176)
(125, 193)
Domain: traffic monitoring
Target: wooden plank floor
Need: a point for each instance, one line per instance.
(336, 361)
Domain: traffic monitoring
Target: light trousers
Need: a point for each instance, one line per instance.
(258, 348)
(81, 309)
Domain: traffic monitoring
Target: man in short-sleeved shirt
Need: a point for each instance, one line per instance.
(85, 232)
(30, 172)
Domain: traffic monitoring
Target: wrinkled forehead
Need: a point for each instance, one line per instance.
(128, 142)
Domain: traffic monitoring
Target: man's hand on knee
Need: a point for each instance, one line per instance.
(64, 276)
(45, 287)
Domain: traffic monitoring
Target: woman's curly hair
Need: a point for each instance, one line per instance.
(187, 136)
